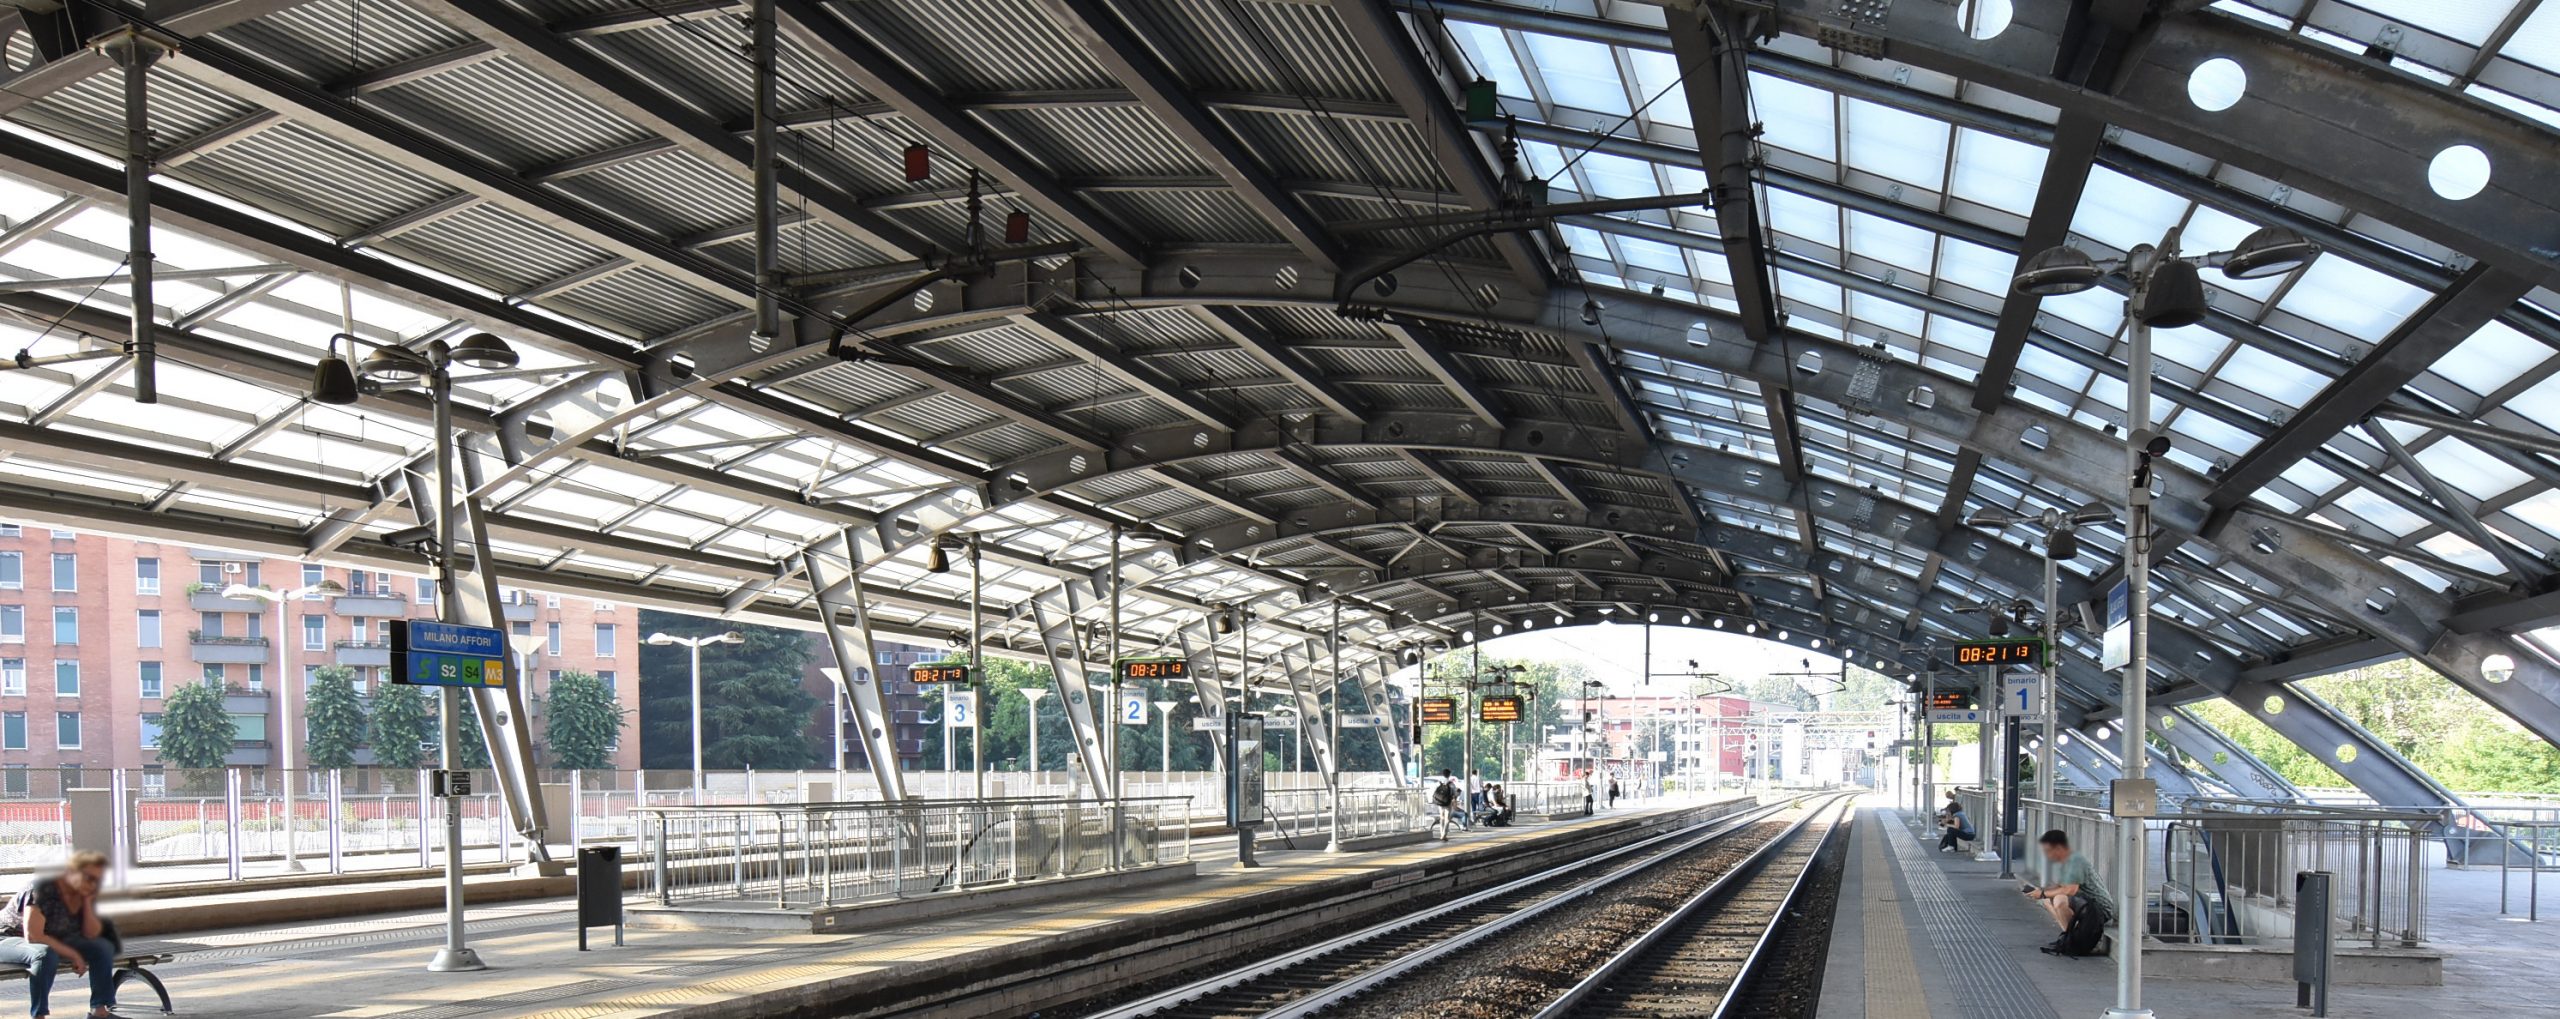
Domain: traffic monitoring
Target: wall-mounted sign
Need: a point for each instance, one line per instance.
(426, 653)
(1438, 710)
(939, 673)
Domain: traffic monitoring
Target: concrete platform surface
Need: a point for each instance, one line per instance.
(374, 967)
(1925, 935)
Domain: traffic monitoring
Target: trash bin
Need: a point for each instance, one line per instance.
(599, 891)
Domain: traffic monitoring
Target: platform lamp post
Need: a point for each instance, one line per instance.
(1164, 745)
(338, 380)
(287, 688)
(693, 652)
(2061, 544)
(2166, 291)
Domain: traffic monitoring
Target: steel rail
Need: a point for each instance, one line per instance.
(1644, 945)
(1347, 990)
(1688, 837)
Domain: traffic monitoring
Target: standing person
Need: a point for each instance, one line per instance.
(1475, 791)
(1613, 792)
(55, 922)
(1444, 797)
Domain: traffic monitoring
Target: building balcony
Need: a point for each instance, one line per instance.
(520, 612)
(212, 600)
(228, 650)
(910, 748)
(371, 605)
(364, 653)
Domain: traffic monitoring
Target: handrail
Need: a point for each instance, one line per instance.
(893, 806)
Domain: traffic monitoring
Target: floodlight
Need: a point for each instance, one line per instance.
(2056, 271)
(660, 639)
(481, 350)
(333, 381)
(2062, 544)
(2269, 251)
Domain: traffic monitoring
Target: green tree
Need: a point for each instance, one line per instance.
(755, 712)
(333, 719)
(195, 730)
(580, 721)
(403, 725)
(471, 747)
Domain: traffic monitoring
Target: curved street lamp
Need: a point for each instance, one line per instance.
(286, 741)
(693, 648)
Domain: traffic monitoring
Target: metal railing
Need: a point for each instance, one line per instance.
(817, 855)
(2221, 871)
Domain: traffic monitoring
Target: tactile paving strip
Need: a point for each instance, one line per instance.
(1987, 982)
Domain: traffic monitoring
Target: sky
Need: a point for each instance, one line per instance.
(1615, 654)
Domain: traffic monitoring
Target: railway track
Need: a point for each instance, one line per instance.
(1319, 976)
(1702, 958)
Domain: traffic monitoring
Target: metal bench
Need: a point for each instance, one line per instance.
(130, 964)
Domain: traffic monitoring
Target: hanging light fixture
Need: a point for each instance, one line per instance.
(333, 380)
(2058, 270)
(2175, 296)
(395, 365)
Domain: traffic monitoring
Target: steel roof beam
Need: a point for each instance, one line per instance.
(619, 92)
(833, 43)
(1421, 90)
(1125, 56)
(1257, 342)
(2335, 123)
(2067, 162)
(2474, 300)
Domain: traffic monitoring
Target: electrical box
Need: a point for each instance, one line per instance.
(2133, 797)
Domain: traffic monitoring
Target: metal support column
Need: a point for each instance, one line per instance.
(768, 196)
(977, 670)
(2136, 695)
(136, 55)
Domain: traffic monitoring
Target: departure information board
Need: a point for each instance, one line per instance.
(1438, 710)
(1155, 668)
(2000, 652)
(1950, 700)
(944, 673)
(1498, 708)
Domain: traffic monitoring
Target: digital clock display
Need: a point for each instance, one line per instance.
(1499, 708)
(939, 673)
(1155, 668)
(1438, 710)
(2000, 652)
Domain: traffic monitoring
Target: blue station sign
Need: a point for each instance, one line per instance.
(425, 653)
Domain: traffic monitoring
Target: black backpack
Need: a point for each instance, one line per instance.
(1444, 794)
(2088, 926)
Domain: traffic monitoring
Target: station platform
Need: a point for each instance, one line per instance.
(374, 967)
(1929, 935)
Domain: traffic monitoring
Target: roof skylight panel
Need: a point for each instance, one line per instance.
(2363, 304)
(1658, 73)
(2121, 212)
(2001, 173)
(2492, 357)
(1615, 176)
(2271, 378)
(1811, 219)
(2468, 468)
(1578, 73)
(1795, 116)
(1902, 146)
(1641, 253)
(2453, 548)
(1975, 267)
(2370, 507)
(2537, 41)
(1489, 50)
(1900, 245)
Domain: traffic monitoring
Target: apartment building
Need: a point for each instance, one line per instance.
(906, 702)
(96, 630)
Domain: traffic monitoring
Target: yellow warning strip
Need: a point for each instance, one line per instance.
(1893, 976)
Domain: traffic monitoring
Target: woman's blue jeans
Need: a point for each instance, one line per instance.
(42, 962)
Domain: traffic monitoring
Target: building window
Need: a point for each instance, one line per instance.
(550, 601)
(310, 677)
(257, 677)
(215, 675)
(13, 781)
(154, 782)
(606, 676)
(426, 591)
(13, 570)
(315, 633)
(146, 575)
(210, 625)
(13, 730)
(604, 606)
(62, 535)
(150, 681)
(520, 628)
(66, 625)
(553, 648)
(66, 571)
(66, 679)
(311, 578)
(604, 640)
(13, 677)
(150, 735)
(66, 730)
(13, 624)
(146, 628)
(10, 531)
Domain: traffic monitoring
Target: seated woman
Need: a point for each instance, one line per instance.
(1498, 808)
(1956, 827)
